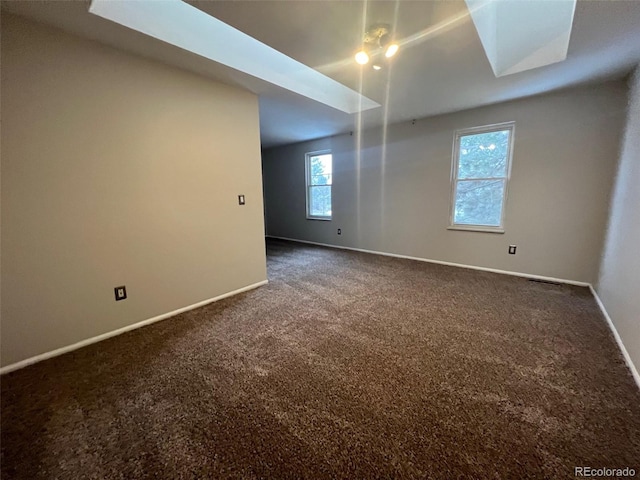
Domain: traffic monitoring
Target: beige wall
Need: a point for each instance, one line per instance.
(394, 196)
(117, 170)
(619, 281)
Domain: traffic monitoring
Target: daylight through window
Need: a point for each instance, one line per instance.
(319, 167)
(481, 166)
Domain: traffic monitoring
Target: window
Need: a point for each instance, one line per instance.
(481, 167)
(319, 178)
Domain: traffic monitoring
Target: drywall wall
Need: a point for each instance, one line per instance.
(392, 189)
(118, 171)
(619, 283)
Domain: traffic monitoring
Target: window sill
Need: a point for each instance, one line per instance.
(476, 228)
(324, 219)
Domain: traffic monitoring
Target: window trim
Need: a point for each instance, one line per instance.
(307, 182)
(454, 176)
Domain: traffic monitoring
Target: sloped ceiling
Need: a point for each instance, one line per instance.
(440, 68)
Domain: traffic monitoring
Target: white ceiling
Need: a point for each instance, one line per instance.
(440, 68)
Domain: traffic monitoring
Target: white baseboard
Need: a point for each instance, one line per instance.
(616, 335)
(119, 331)
(440, 262)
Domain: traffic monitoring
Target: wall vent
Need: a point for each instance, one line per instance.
(539, 280)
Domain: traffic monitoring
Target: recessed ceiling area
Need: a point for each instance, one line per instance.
(441, 65)
(523, 35)
(178, 23)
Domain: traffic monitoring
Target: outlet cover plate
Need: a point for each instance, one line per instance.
(120, 292)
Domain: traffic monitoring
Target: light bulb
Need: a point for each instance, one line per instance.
(391, 50)
(377, 67)
(361, 57)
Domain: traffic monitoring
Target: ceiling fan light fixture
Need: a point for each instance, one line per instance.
(362, 58)
(378, 39)
(391, 50)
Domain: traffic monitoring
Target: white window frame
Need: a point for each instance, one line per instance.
(308, 186)
(511, 126)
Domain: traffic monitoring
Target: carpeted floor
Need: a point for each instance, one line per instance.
(346, 365)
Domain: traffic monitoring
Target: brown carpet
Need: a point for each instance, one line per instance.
(346, 365)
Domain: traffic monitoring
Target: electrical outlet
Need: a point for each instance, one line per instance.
(241, 200)
(512, 249)
(121, 293)
(339, 231)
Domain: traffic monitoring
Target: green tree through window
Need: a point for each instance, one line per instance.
(319, 181)
(481, 171)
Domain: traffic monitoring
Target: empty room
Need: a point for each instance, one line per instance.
(320, 239)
